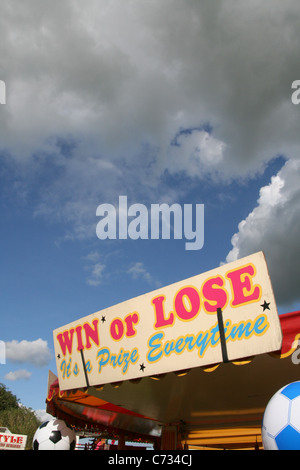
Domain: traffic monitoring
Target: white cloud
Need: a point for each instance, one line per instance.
(96, 274)
(196, 152)
(95, 266)
(103, 99)
(138, 271)
(93, 256)
(35, 352)
(21, 374)
(274, 226)
(42, 415)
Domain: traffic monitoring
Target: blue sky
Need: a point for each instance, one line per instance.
(181, 102)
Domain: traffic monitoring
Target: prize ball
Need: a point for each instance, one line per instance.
(281, 421)
(54, 434)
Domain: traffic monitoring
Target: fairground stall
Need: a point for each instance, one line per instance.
(192, 365)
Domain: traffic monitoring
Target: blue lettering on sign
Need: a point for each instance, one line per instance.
(204, 339)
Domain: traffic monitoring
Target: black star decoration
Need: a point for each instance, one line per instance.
(103, 319)
(265, 306)
(142, 367)
(58, 356)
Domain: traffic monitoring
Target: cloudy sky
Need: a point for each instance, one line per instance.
(174, 101)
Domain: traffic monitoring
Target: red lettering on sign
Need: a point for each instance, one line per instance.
(243, 290)
(161, 320)
(65, 339)
(192, 297)
(214, 296)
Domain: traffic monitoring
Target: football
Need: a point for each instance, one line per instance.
(281, 420)
(54, 435)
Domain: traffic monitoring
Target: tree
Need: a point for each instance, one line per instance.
(7, 399)
(17, 418)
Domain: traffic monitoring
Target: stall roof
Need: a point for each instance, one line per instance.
(218, 407)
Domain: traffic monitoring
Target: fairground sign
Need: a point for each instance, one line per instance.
(225, 314)
(9, 441)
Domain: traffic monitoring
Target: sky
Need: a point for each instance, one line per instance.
(175, 102)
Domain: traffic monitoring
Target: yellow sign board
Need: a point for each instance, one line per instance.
(226, 314)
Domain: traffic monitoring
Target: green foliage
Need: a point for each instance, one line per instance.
(18, 419)
(7, 399)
